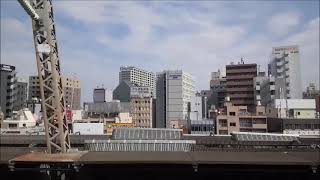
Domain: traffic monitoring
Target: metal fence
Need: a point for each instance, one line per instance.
(146, 134)
(140, 145)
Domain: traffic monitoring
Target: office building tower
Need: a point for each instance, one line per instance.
(240, 83)
(141, 102)
(285, 63)
(21, 95)
(175, 89)
(196, 107)
(139, 77)
(8, 89)
(218, 85)
(141, 111)
(102, 95)
(257, 82)
(71, 89)
(99, 95)
(126, 89)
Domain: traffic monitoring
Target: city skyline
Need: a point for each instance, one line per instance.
(108, 35)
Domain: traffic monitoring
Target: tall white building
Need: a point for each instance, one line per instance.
(285, 63)
(196, 107)
(175, 89)
(139, 77)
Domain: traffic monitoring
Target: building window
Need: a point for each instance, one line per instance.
(232, 113)
(298, 113)
(245, 123)
(13, 125)
(223, 122)
(232, 124)
(223, 132)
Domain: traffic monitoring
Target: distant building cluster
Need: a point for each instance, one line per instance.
(240, 98)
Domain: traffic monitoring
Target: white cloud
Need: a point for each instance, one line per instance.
(17, 46)
(84, 11)
(194, 40)
(282, 24)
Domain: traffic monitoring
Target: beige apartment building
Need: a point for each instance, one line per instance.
(141, 111)
(71, 89)
(238, 119)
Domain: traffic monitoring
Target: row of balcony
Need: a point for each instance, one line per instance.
(240, 89)
(224, 126)
(237, 83)
(241, 95)
(248, 70)
(240, 77)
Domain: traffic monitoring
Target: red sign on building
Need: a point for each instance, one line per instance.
(69, 115)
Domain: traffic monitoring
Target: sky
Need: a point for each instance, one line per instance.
(95, 38)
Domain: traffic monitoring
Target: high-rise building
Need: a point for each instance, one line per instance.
(141, 111)
(21, 95)
(141, 102)
(8, 89)
(99, 95)
(270, 89)
(257, 82)
(285, 63)
(240, 83)
(34, 88)
(126, 89)
(102, 95)
(138, 76)
(218, 89)
(175, 89)
(196, 107)
(71, 89)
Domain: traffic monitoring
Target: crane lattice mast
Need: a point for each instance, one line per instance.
(49, 72)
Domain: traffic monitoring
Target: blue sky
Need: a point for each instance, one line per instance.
(95, 38)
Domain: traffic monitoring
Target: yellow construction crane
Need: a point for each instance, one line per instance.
(49, 72)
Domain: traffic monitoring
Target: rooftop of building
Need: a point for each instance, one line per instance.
(240, 65)
(281, 48)
(8, 68)
(128, 68)
(295, 103)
